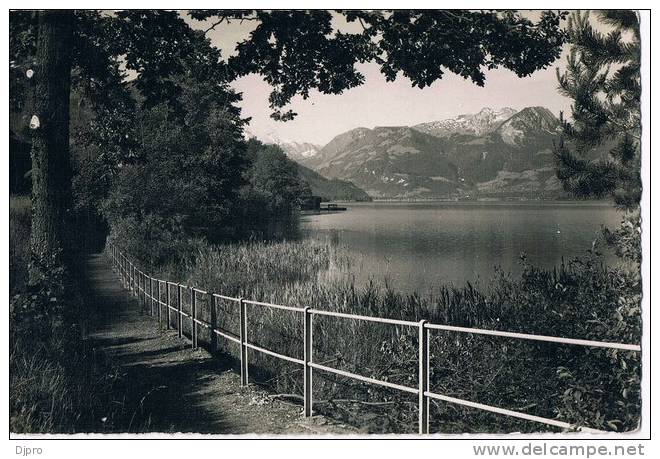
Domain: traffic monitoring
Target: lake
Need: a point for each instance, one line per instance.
(419, 246)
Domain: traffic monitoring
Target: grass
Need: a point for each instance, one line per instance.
(57, 382)
(54, 389)
(597, 388)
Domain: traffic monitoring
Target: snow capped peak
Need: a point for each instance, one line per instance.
(300, 151)
(480, 123)
(271, 137)
(294, 150)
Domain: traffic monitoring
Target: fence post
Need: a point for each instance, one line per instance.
(127, 273)
(167, 303)
(193, 317)
(243, 337)
(158, 304)
(423, 377)
(214, 324)
(179, 309)
(307, 383)
(151, 296)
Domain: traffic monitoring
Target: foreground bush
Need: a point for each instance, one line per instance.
(57, 383)
(583, 299)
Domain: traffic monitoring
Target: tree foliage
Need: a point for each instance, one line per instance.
(187, 179)
(273, 192)
(603, 79)
(196, 179)
(275, 177)
(297, 51)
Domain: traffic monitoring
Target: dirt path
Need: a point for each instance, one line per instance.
(165, 386)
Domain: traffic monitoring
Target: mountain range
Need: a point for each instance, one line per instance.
(492, 153)
(477, 124)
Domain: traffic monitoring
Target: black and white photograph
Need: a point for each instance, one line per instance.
(289, 223)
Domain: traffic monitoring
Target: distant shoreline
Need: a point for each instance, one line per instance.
(482, 202)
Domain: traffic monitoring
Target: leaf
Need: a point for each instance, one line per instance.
(613, 424)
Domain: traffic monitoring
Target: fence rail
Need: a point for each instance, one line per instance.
(148, 290)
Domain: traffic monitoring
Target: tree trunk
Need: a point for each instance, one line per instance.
(51, 170)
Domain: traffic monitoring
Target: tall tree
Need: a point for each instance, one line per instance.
(51, 173)
(603, 79)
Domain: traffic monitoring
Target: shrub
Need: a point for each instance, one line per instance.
(57, 383)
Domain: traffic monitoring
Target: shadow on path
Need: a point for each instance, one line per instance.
(165, 386)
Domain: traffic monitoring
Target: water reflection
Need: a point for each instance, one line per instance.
(413, 246)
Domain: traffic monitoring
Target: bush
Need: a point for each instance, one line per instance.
(57, 383)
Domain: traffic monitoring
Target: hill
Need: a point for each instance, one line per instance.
(302, 153)
(389, 162)
(331, 189)
(488, 154)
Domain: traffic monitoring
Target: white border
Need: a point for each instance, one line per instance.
(451, 448)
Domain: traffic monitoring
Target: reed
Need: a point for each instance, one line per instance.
(581, 298)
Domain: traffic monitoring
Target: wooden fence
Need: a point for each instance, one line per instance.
(148, 290)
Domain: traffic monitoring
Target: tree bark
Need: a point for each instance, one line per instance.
(51, 170)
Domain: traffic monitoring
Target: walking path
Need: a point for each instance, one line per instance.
(165, 386)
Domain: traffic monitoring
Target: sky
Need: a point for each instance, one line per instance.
(379, 103)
